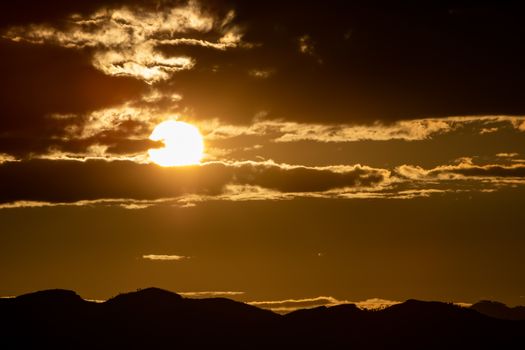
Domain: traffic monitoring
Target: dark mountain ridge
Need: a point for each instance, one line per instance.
(499, 310)
(154, 317)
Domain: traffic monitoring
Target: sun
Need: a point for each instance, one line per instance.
(183, 144)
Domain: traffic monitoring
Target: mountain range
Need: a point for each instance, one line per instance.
(152, 317)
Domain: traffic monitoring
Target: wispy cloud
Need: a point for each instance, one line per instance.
(118, 202)
(124, 39)
(464, 170)
(289, 305)
(408, 130)
(7, 158)
(165, 257)
(507, 155)
(234, 193)
(210, 294)
(261, 73)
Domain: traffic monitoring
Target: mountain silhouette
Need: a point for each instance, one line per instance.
(153, 317)
(499, 310)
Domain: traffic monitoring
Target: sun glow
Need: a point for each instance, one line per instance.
(183, 144)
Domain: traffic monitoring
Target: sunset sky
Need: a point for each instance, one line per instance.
(352, 151)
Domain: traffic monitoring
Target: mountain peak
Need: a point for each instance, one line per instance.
(151, 295)
(50, 296)
(499, 310)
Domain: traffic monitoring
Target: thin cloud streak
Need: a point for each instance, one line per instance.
(507, 155)
(465, 170)
(289, 305)
(7, 158)
(210, 294)
(164, 257)
(408, 130)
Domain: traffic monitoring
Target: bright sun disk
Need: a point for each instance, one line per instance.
(183, 144)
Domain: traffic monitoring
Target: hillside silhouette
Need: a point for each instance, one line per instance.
(499, 310)
(154, 317)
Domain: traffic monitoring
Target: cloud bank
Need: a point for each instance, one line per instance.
(71, 181)
(137, 186)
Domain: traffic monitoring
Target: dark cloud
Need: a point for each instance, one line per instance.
(324, 62)
(44, 77)
(471, 170)
(34, 11)
(69, 181)
(302, 179)
(465, 169)
(371, 63)
(40, 81)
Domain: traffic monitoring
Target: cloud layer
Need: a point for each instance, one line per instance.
(70, 181)
(136, 186)
(86, 83)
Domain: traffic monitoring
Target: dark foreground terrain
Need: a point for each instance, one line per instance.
(153, 318)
